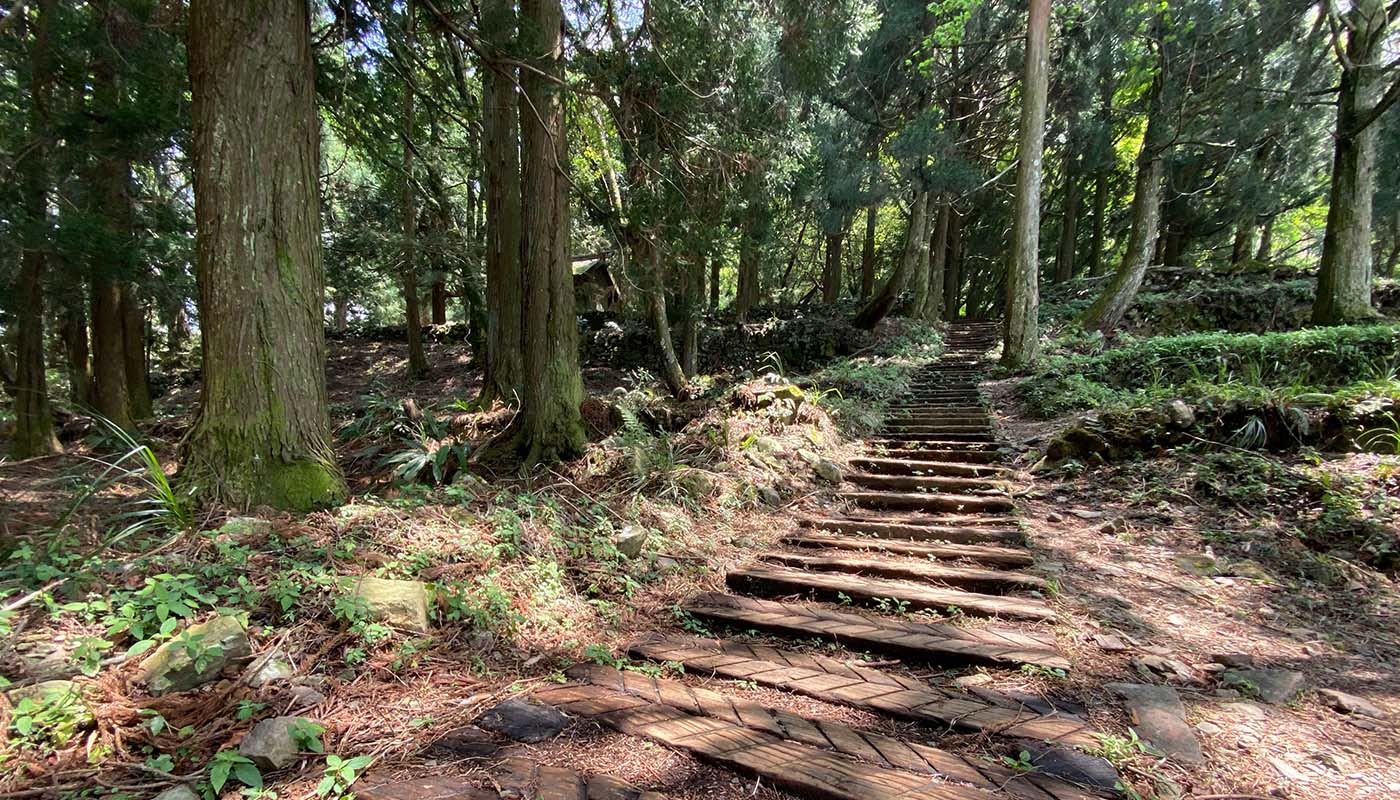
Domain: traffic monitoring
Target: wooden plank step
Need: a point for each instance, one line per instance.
(927, 483)
(878, 749)
(938, 436)
(918, 466)
(833, 681)
(980, 553)
(512, 779)
(928, 501)
(831, 586)
(976, 519)
(938, 417)
(932, 642)
(899, 530)
(804, 770)
(915, 450)
(986, 580)
(955, 450)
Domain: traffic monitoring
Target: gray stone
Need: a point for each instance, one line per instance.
(170, 669)
(1070, 764)
(1277, 686)
(975, 679)
(828, 471)
(181, 792)
(770, 496)
(1167, 667)
(808, 456)
(522, 721)
(306, 697)
(1180, 414)
(1198, 564)
(696, 483)
(273, 667)
(1234, 660)
(465, 742)
(1350, 703)
(766, 444)
(271, 743)
(1110, 643)
(401, 604)
(244, 529)
(1160, 719)
(630, 540)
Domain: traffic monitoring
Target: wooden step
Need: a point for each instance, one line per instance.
(899, 429)
(926, 483)
(986, 580)
(938, 418)
(915, 466)
(948, 446)
(913, 450)
(937, 643)
(828, 736)
(512, 779)
(917, 596)
(939, 436)
(898, 530)
(927, 501)
(850, 684)
(979, 553)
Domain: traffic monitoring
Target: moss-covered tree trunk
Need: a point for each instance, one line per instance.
(1021, 331)
(261, 435)
(831, 269)
(754, 232)
(867, 254)
(715, 263)
(1344, 274)
(914, 254)
(552, 425)
(501, 168)
(694, 299)
(1266, 241)
(34, 434)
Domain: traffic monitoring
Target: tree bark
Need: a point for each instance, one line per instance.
(438, 293)
(1110, 306)
(413, 315)
(952, 271)
(1243, 242)
(715, 264)
(867, 253)
(138, 379)
(552, 425)
(1344, 275)
(1069, 224)
(754, 234)
(75, 348)
(694, 295)
(1022, 336)
(261, 435)
(501, 168)
(34, 434)
(938, 263)
(831, 271)
(1097, 263)
(1266, 241)
(914, 254)
(109, 386)
(647, 256)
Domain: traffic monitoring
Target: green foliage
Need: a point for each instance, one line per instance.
(340, 774)
(228, 763)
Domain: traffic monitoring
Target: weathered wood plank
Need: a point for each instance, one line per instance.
(914, 532)
(910, 569)
(927, 483)
(928, 501)
(980, 553)
(914, 466)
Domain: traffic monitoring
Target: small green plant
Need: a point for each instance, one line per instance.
(1118, 750)
(340, 774)
(1021, 763)
(228, 763)
(1040, 671)
(307, 735)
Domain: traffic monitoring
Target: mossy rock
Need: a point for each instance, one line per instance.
(171, 669)
(401, 604)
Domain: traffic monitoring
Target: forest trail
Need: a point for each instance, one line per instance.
(927, 522)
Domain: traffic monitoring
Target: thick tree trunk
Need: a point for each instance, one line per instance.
(1344, 275)
(754, 234)
(262, 432)
(501, 160)
(831, 270)
(1021, 330)
(914, 254)
(109, 386)
(1069, 225)
(938, 263)
(1098, 265)
(694, 296)
(1110, 306)
(138, 379)
(918, 280)
(867, 254)
(340, 312)
(647, 258)
(1266, 241)
(75, 348)
(952, 271)
(33, 420)
(413, 314)
(552, 425)
(439, 299)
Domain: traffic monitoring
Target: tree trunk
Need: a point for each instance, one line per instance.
(755, 233)
(340, 312)
(1097, 263)
(1110, 306)
(34, 434)
(914, 254)
(552, 425)
(75, 348)
(918, 279)
(693, 294)
(1069, 225)
(109, 386)
(138, 379)
(1344, 275)
(952, 271)
(1266, 241)
(1243, 243)
(867, 253)
(261, 435)
(439, 298)
(831, 271)
(413, 314)
(715, 264)
(501, 168)
(1021, 331)
(647, 258)
(938, 262)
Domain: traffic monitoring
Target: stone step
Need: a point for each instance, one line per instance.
(937, 643)
(914, 466)
(927, 501)
(829, 736)
(980, 579)
(955, 534)
(850, 684)
(979, 553)
(916, 596)
(926, 483)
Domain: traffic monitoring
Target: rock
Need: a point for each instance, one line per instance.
(1054, 517)
(1245, 709)
(465, 742)
(1350, 703)
(630, 540)
(1160, 719)
(1234, 660)
(770, 496)
(1070, 764)
(1198, 564)
(1209, 728)
(65, 709)
(1245, 568)
(975, 679)
(765, 444)
(1284, 768)
(271, 744)
(1075, 442)
(244, 529)
(808, 456)
(696, 483)
(273, 667)
(1084, 514)
(170, 669)
(1180, 414)
(181, 792)
(1277, 686)
(1109, 643)
(401, 604)
(828, 471)
(522, 721)
(306, 697)
(1168, 667)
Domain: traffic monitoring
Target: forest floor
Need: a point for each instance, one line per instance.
(1178, 558)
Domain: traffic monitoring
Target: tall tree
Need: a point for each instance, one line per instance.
(412, 301)
(1022, 337)
(552, 425)
(261, 435)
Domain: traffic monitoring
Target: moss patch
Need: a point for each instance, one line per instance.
(300, 486)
